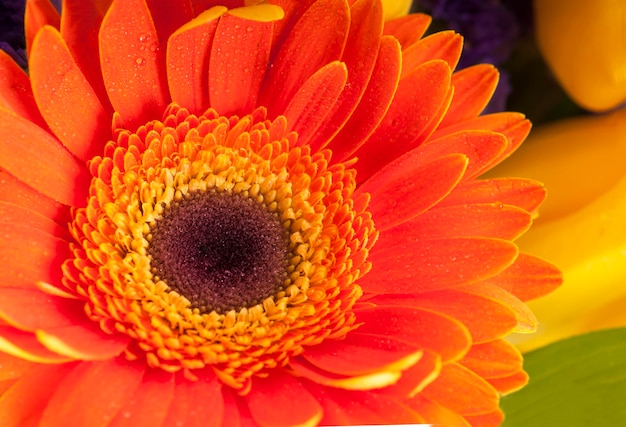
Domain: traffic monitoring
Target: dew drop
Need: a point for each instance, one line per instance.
(140, 61)
(144, 37)
(250, 29)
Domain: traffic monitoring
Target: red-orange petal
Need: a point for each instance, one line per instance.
(343, 407)
(149, 404)
(493, 359)
(133, 63)
(196, 403)
(31, 309)
(16, 214)
(473, 88)
(424, 329)
(362, 44)
(491, 419)
(478, 219)
(281, 390)
(37, 159)
(362, 353)
(321, 36)
(25, 345)
(435, 413)
(415, 378)
(188, 61)
(15, 92)
(169, 15)
(80, 22)
(407, 187)
(17, 193)
(315, 100)
(83, 341)
(529, 277)
(470, 309)
(510, 383)
(38, 14)
(65, 98)
(408, 29)
(480, 146)
(32, 256)
(430, 265)
(13, 367)
(239, 56)
(472, 394)
(92, 394)
(22, 404)
(409, 119)
(374, 103)
(444, 45)
(527, 322)
(524, 193)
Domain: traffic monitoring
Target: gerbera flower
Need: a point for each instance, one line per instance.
(282, 226)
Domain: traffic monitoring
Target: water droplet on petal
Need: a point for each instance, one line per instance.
(140, 61)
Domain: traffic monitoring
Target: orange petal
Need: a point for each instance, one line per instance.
(360, 354)
(13, 367)
(527, 322)
(38, 14)
(149, 404)
(424, 329)
(25, 345)
(92, 391)
(169, 15)
(133, 63)
(406, 187)
(66, 100)
(15, 92)
(408, 29)
(471, 220)
(529, 277)
(415, 378)
(430, 265)
(472, 395)
(491, 419)
(234, 413)
(493, 359)
(315, 99)
(359, 55)
(480, 146)
(281, 390)
(435, 413)
(37, 159)
(343, 408)
(239, 58)
(321, 33)
(512, 125)
(15, 214)
(510, 383)
(410, 118)
(445, 45)
(32, 256)
(17, 193)
(473, 88)
(374, 103)
(80, 22)
(22, 405)
(29, 309)
(524, 193)
(375, 380)
(469, 309)
(83, 341)
(196, 403)
(188, 61)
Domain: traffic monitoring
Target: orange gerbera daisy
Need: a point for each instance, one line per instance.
(283, 225)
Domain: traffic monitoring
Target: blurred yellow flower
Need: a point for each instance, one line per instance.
(582, 225)
(395, 8)
(583, 42)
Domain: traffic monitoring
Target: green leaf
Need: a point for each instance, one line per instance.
(580, 381)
